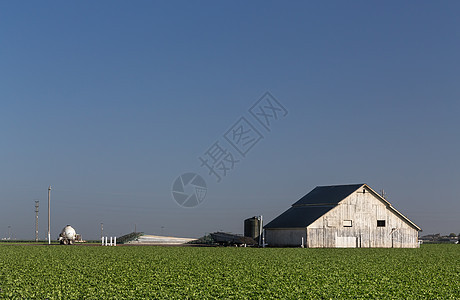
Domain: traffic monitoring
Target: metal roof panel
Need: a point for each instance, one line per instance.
(299, 216)
(328, 194)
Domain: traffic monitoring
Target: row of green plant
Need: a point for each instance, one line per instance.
(152, 272)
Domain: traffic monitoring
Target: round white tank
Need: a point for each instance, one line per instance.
(69, 232)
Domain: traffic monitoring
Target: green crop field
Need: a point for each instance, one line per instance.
(82, 272)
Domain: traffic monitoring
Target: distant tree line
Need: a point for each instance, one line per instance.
(438, 238)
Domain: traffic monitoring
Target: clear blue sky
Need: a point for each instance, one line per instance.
(110, 101)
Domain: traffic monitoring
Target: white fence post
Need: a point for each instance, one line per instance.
(107, 242)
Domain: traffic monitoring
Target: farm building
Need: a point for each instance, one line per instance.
(342, 216)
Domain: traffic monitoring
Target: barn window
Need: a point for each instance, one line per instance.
(347, 223)
(380, 223)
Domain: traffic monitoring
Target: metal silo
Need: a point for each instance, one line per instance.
(252, 228)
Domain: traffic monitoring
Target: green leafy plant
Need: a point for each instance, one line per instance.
(135, 272)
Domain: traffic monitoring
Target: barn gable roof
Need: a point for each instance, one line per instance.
(299, 216)
(328, 194)
(321, 200)
(313, 205)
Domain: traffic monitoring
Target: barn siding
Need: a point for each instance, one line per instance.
(363, 209)
(285, 237)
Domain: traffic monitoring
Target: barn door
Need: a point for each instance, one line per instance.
(395, 238)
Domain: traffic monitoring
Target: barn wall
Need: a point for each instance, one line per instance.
(362, 210)
(285, 237)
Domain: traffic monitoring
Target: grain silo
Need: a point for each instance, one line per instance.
(252, 228)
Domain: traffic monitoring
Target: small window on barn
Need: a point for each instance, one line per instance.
(347, 223)
(381, 223)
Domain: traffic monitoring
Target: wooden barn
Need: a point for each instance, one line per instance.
(342, 216)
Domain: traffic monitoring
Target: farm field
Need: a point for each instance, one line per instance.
(77, 272)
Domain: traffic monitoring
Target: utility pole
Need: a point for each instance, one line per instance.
(49, 215)
(36, 220)
(102, 230)
(261, 230)
(9, 232)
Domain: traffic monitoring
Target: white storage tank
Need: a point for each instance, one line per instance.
(67, 235)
